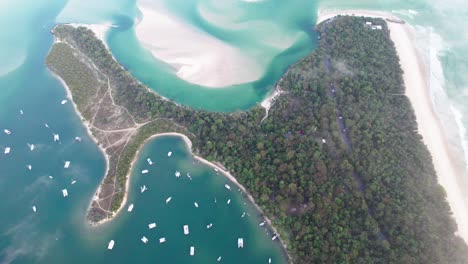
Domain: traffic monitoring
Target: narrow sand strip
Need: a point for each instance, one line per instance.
(196, 56)
(429, 126)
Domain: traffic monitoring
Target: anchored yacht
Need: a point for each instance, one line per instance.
(240, 243)
(192, 251)
(110, 246)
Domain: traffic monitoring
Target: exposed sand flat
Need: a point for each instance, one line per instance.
(416, 81)
(278, 38)
(197, 57)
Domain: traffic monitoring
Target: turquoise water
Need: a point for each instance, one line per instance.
(58, 233)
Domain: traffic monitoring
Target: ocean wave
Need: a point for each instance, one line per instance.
(432, 48)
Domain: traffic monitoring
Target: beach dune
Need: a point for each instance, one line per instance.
(449, 173)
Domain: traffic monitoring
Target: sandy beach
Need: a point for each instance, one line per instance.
(205, 60)
(429, 126)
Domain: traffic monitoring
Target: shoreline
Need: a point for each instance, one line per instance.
(100, 30)
(225, 173)
(429, 125)
(85, 123)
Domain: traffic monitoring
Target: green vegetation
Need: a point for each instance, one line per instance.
(367, 195)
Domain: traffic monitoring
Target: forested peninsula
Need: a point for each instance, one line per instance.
(337, 165)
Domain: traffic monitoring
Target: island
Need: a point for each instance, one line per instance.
(336, 162)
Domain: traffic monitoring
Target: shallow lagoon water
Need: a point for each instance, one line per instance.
(58, 231)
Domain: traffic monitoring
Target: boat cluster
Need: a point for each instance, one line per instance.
(185, 228)
(8, 151)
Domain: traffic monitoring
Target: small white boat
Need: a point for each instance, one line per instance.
(240, 243)
(186, 230)
(21, 112)
(216, 169)
(67, 164)
(192, 251)
(262, 223)
(152, 225)
(110, 246)
(56, 137)
(189, 176)
(8, 132)
(162, 240)
(243, 214)
(269, 260)
(73, 182)
(78, 139)
(64, 192)
(31, 146)
(7, 150)
(29, 167)
(50, 177)
(63, 102)
(177, 174)
(143, 188)
(274, 237)
(46, 125)
(229, 201)
(169, 154)
(150, 162)
(227, 186)
(196, 204)
(130, 208)
(209, 226)
(144, 171)
(144, 240)
(34, 208)
(218, 259)
(168, 200)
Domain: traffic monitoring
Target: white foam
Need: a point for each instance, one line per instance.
(461, 131)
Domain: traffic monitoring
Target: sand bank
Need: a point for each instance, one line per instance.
(429, 126)
(196, 56)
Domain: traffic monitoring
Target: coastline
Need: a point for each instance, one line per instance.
(415, 75)
(88, 130)
(100, 30)
(221, 169)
